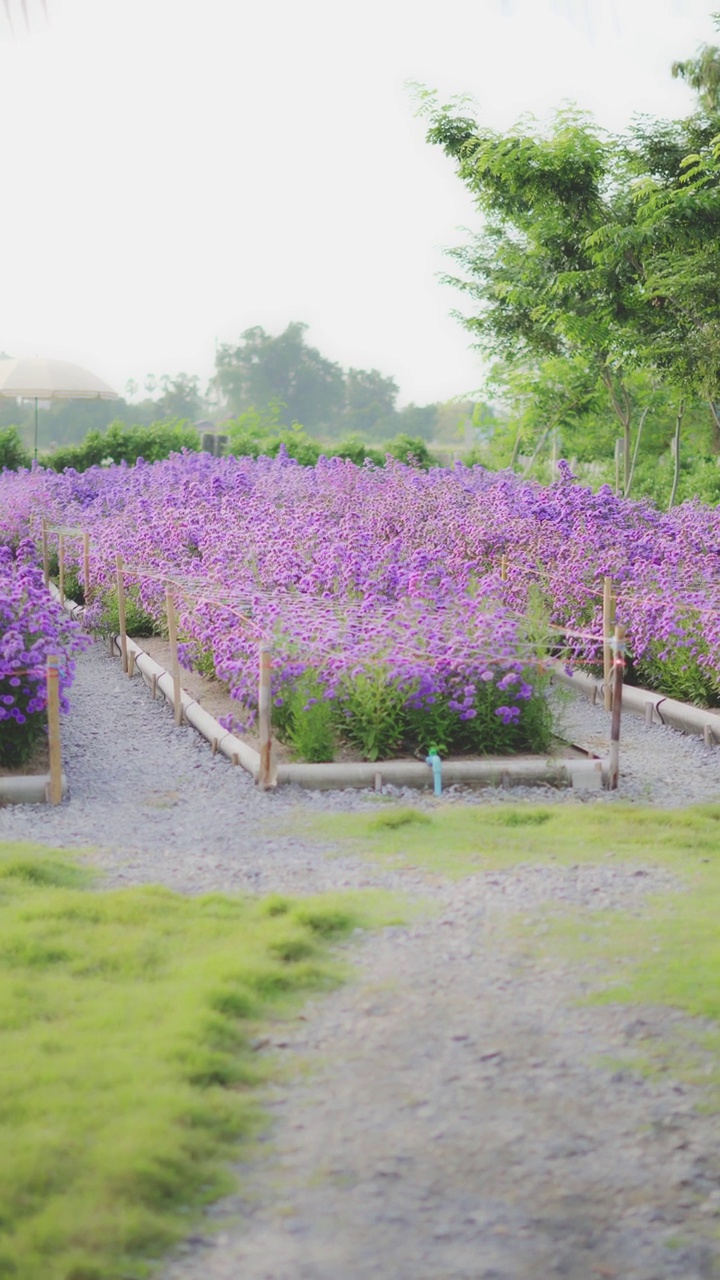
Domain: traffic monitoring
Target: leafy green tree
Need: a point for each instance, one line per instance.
(702, 73)
(263, 369)
(541, 286)
(13, 454)
(369, 400)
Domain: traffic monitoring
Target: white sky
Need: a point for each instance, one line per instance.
(175, 171)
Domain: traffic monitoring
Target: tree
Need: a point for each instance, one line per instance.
(263, 369)
(370, 399)
(702, 73)
(593, 249)
(180, 397)
(542, 288)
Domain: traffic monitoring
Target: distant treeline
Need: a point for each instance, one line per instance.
(282, 378)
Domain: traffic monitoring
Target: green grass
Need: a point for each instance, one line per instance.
(127, 1072)
(458, 840)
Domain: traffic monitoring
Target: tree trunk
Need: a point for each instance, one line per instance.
(641, 424)
(538, 447)
(676, 453)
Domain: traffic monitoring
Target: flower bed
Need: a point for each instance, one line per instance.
(32, 628)
(380, 589)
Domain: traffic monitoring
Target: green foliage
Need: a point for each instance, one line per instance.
(105, 618)
(371, 713)
(413, 451)
(375, 715)
(262, 433)
(121, 443)
(309, 721)
(13, 454)
(127, 1020)
(357, 451)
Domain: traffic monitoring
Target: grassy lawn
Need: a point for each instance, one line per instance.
(127, 1068)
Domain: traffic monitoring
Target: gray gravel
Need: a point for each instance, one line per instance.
(464, 1115)
(154, 804)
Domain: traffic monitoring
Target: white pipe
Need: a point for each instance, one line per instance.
(678, 715)
(28, 789)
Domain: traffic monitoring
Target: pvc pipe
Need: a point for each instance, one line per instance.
(405, 773)
(678, 715)
(237, 751)
(436, 765)
(28, 789)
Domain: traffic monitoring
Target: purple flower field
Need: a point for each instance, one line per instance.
(32, 628)
(380, 589)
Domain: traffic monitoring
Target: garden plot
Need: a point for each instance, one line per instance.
(401, 612)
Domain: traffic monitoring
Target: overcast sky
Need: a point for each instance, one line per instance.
(175, 171)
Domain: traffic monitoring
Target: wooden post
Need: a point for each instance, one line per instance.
(121, 609)
(503, 568)
(266, 774)
(618, 673)
(86, 567)
(174, 664)
(45, 556)
(61, 567)
(53, 714)
(608, 623)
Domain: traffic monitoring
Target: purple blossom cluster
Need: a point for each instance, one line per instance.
(389, 578)
(33, 627)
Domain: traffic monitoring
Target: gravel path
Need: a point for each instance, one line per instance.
(461, 1118)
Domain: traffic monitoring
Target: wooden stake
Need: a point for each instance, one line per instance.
(266, 774)
(174, 664)
(53, 714)
(121, 609)
(608, 623)
(45, 556)
(131, 665)
(61, 567)
(86, 566)
(618, 673)
(503, 568)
